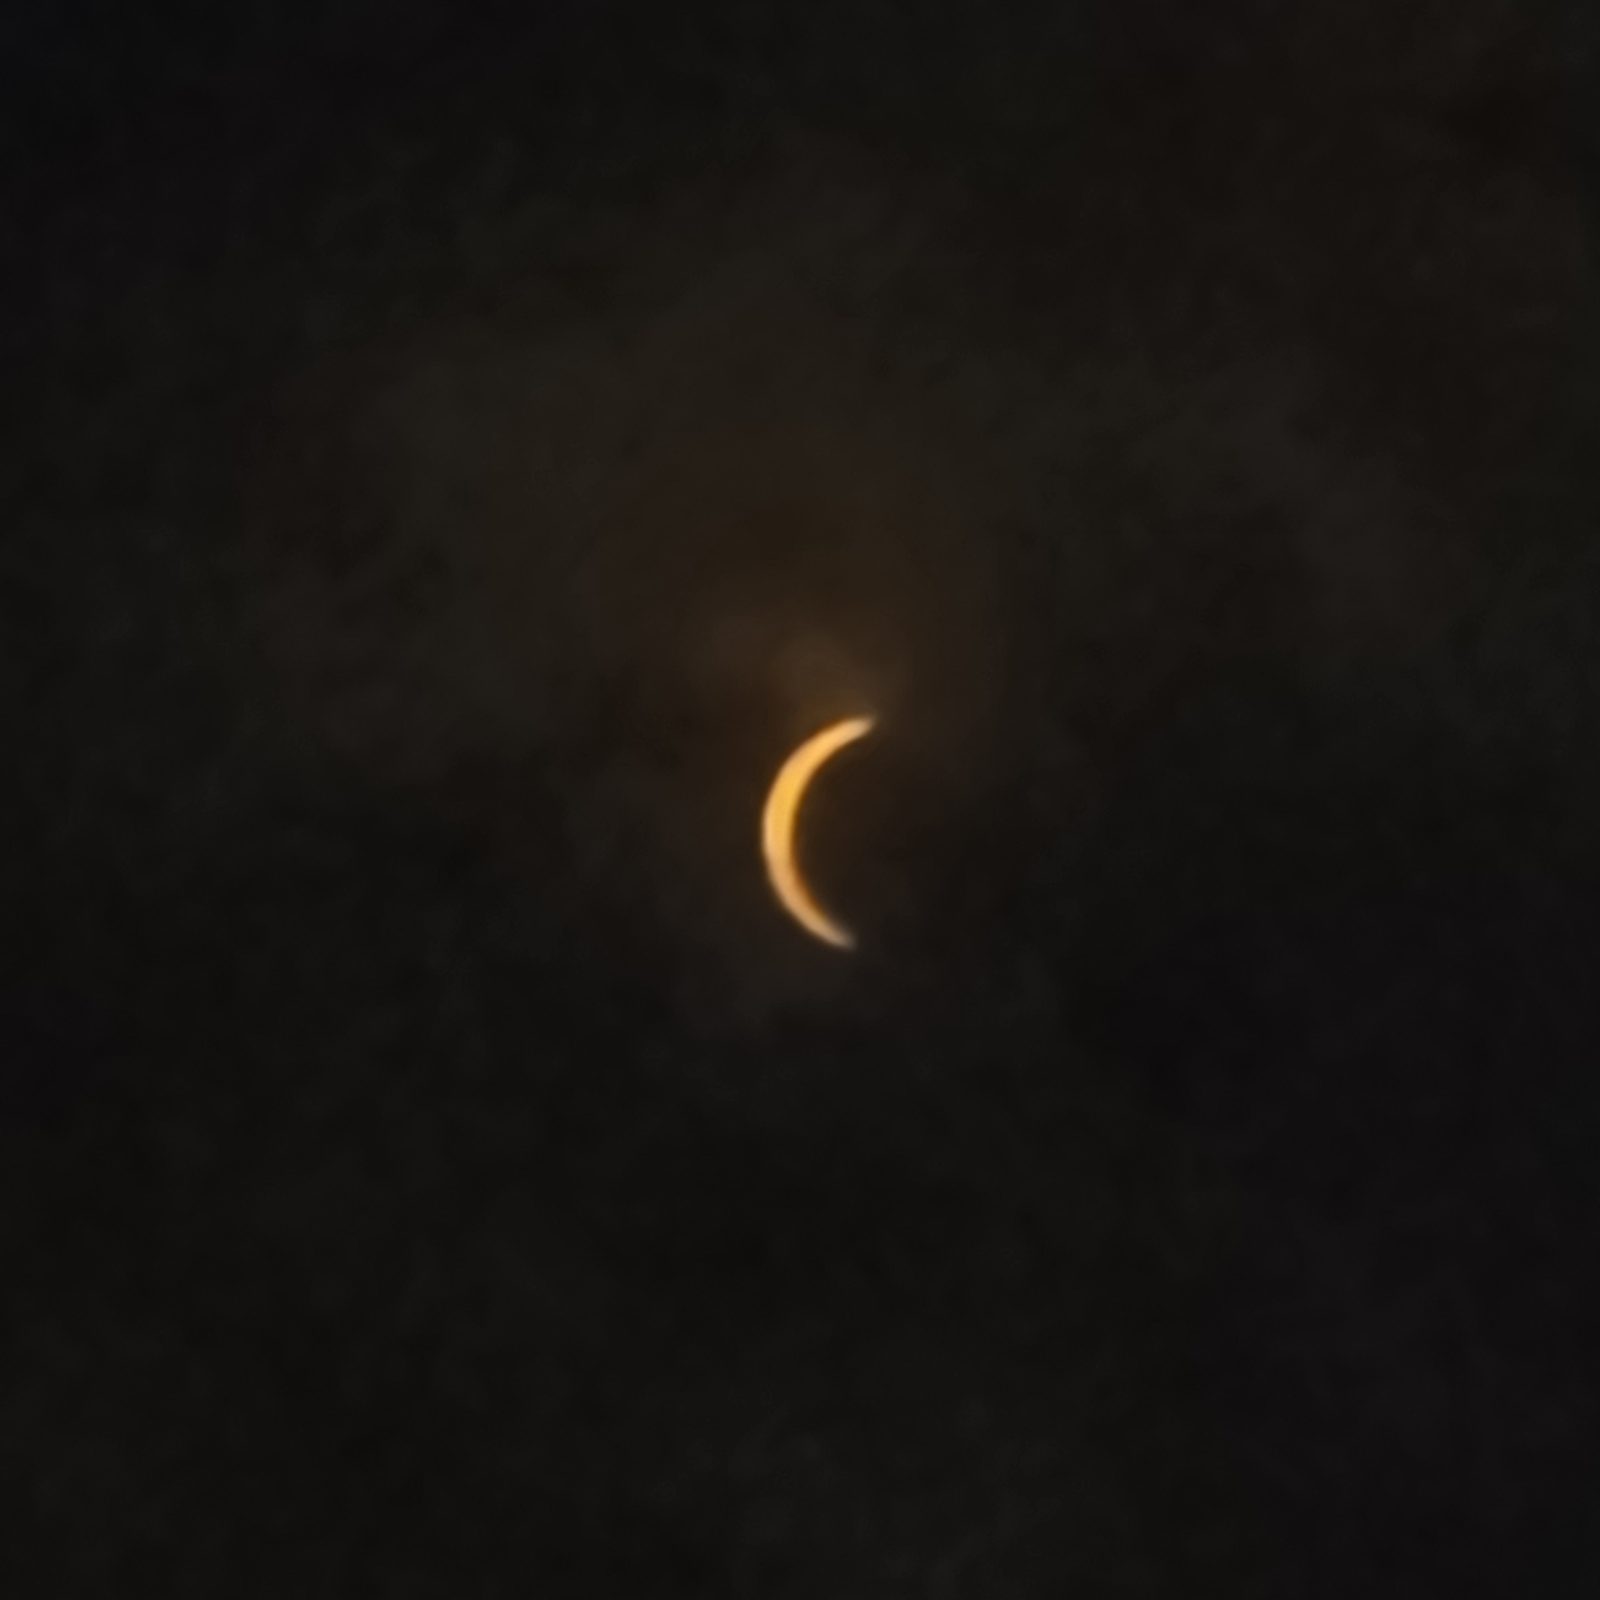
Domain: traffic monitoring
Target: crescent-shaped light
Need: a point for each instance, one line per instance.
(778, 820)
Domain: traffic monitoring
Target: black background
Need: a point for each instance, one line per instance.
(455, 454)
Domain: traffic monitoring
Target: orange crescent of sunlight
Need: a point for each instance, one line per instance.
(778, 820)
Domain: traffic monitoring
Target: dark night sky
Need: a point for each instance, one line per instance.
(453, 458)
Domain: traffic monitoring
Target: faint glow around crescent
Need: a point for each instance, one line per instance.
(778, 821)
